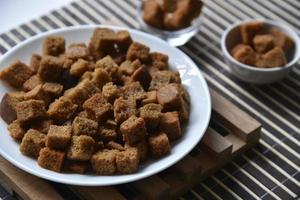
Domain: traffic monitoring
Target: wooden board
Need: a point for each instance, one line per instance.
(215, 150)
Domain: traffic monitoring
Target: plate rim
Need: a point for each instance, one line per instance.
(131, 179)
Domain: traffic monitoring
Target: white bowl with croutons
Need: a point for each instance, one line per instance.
(265, 55)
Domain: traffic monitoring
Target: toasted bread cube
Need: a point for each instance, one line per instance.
(162, 78)
(39, 94)
(111, 124)
(142, 148)
(54, 46)
(51, 69)
(128, 67)
(61, 109)
(263, 43)
(75, 167)
(282, 40)
(153, 13)
(8, 106)
(16, 130)
(104, 162)
(123, 40)
(99, 145)
(128, 161)
(134, 90)
(123, 109)
(107, 134)
(35, 62)
(114, 145)
(244, 54)
(170, 124)
(42, 125)
(249, 30)
(110, 92)
(51, 159)
(81, 148)
(273, 58)
(59, 137)
(118, 56)
(159, 145)
(53, 89)
(176, 20)
(133, 130)
(32, 82)
(32, 142)
(81, 92)
(168, 5)
(100, 77)
(79, 67)
(142, 76)
(189, 8)
(84, 126)
(151, 113)
(16, 74)
(109, 65)
(87, 75)
(169, 96)
(151, 97)
(159, 60)
(30, 110)
(138, 51)
(77, 51)
(183, 111)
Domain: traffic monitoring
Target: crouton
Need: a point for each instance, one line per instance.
(153, 13)
(30, 110)
(263, 43)
(35, 62)
(168, 5)
(54, 46)
(109, 65)
(151, 97)
(16, 74)
(282, 40)
(273, 58)
(16, 130)
(162, 78)
(75, 167)
(110, 92)
(51, 69)
(38, 93)
(123, 109)
(104, 162)
(159, 145)
(127, 161)
(31, 83)
(77, 51)
(53, 89)
(133, 130)
(134, 90)
(32, 142)
(62, 109)
(123, 40)
(114, 145)
(51, 159)
(159, 60)
(42, 125)
(100, 77)
(81, 148)
(142, 75)
(169, 96)
(170, 124)
(84, 126)
(142, 148)
(58, 137)
(107, 134)
(8, 106)
(151, 114)
(79, 67)
(249, 30)
(128, 67)
(244, 54)
(138, 51)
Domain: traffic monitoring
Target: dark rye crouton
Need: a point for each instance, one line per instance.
(133, 130)
(162, 78)
(123, 40)
(134, 90)
(42, 125)
(107, 134)
(53, 89)
(100, 77)
(170, 124)
(263, 43)
(151, 97)
(282, 40)
(54, 46)
(81, 148)
(244, 54)
(159, 145)
(84, 126)
(114, 145)
(273, 58)
(32, 142)
(249, 30)
(109, 65)
(127, 161)
(16, 130)
(143, 76)
(61, 109)
(75, 167)
(138, 51)
(153, 13)
(79, 67)
(151, 113)
(35, 62)
(110, 92)
(123, 109)
(169, 96)
(159, 60)
(142, 148)
(8, 106)
(30, 110)
(51, 69)
(58, 137)
(51, 159)
(16, 74)
(38, 93)
(128, 67)
(77, 51)
(31, 83)
(104, 162)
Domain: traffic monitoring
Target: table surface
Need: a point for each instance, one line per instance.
(268, 171)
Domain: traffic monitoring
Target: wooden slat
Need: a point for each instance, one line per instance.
(177, 186)
(95, 193)
(238, 144)
(27, 186)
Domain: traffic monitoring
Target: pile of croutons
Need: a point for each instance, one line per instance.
(171, 14)
(262, 48)
(104, 107)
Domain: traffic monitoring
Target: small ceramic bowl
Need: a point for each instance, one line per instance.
(231, 37)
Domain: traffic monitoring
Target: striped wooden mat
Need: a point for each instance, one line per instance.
(271, 170)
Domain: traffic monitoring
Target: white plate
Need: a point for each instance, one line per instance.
(191, 78)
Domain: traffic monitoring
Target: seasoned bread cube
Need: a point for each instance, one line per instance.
(35, 62)
(249, 30)
(32, 142)
(8, 106)
(42, 125)
(153, 14)
(81, 148)
(142, 148)
(162, 78)
(168, 5)
(175, 21)
(54, 46)
(61, 109)
(159, 60)
(107, 134)
(51, 69)
(170, 124)
(263, 43)
(273, 58)
(142, 75)
(31, 83)
(151, 114)
(30, 110)
(134, 90)
(282, 40)
(123, 40)
(244, 54)
(159, 145)
(110, 92)
(84, 126)
(169, 96)
(38, 93)
(138, 51)
(128, 161)
(79, 67)
(109, 65)
(104, 162)
(53, 89)
(151, 97)
(16, 74)
(51, 159)
(98, 107)
(16, 130)
(128, 67)
(59, 137)
(75, 166)
(114, 145)
(133, 130)
(123, 109)
(77, 51)
(100, 77)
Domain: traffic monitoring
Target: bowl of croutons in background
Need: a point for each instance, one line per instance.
(175, 21)
(260, 51)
